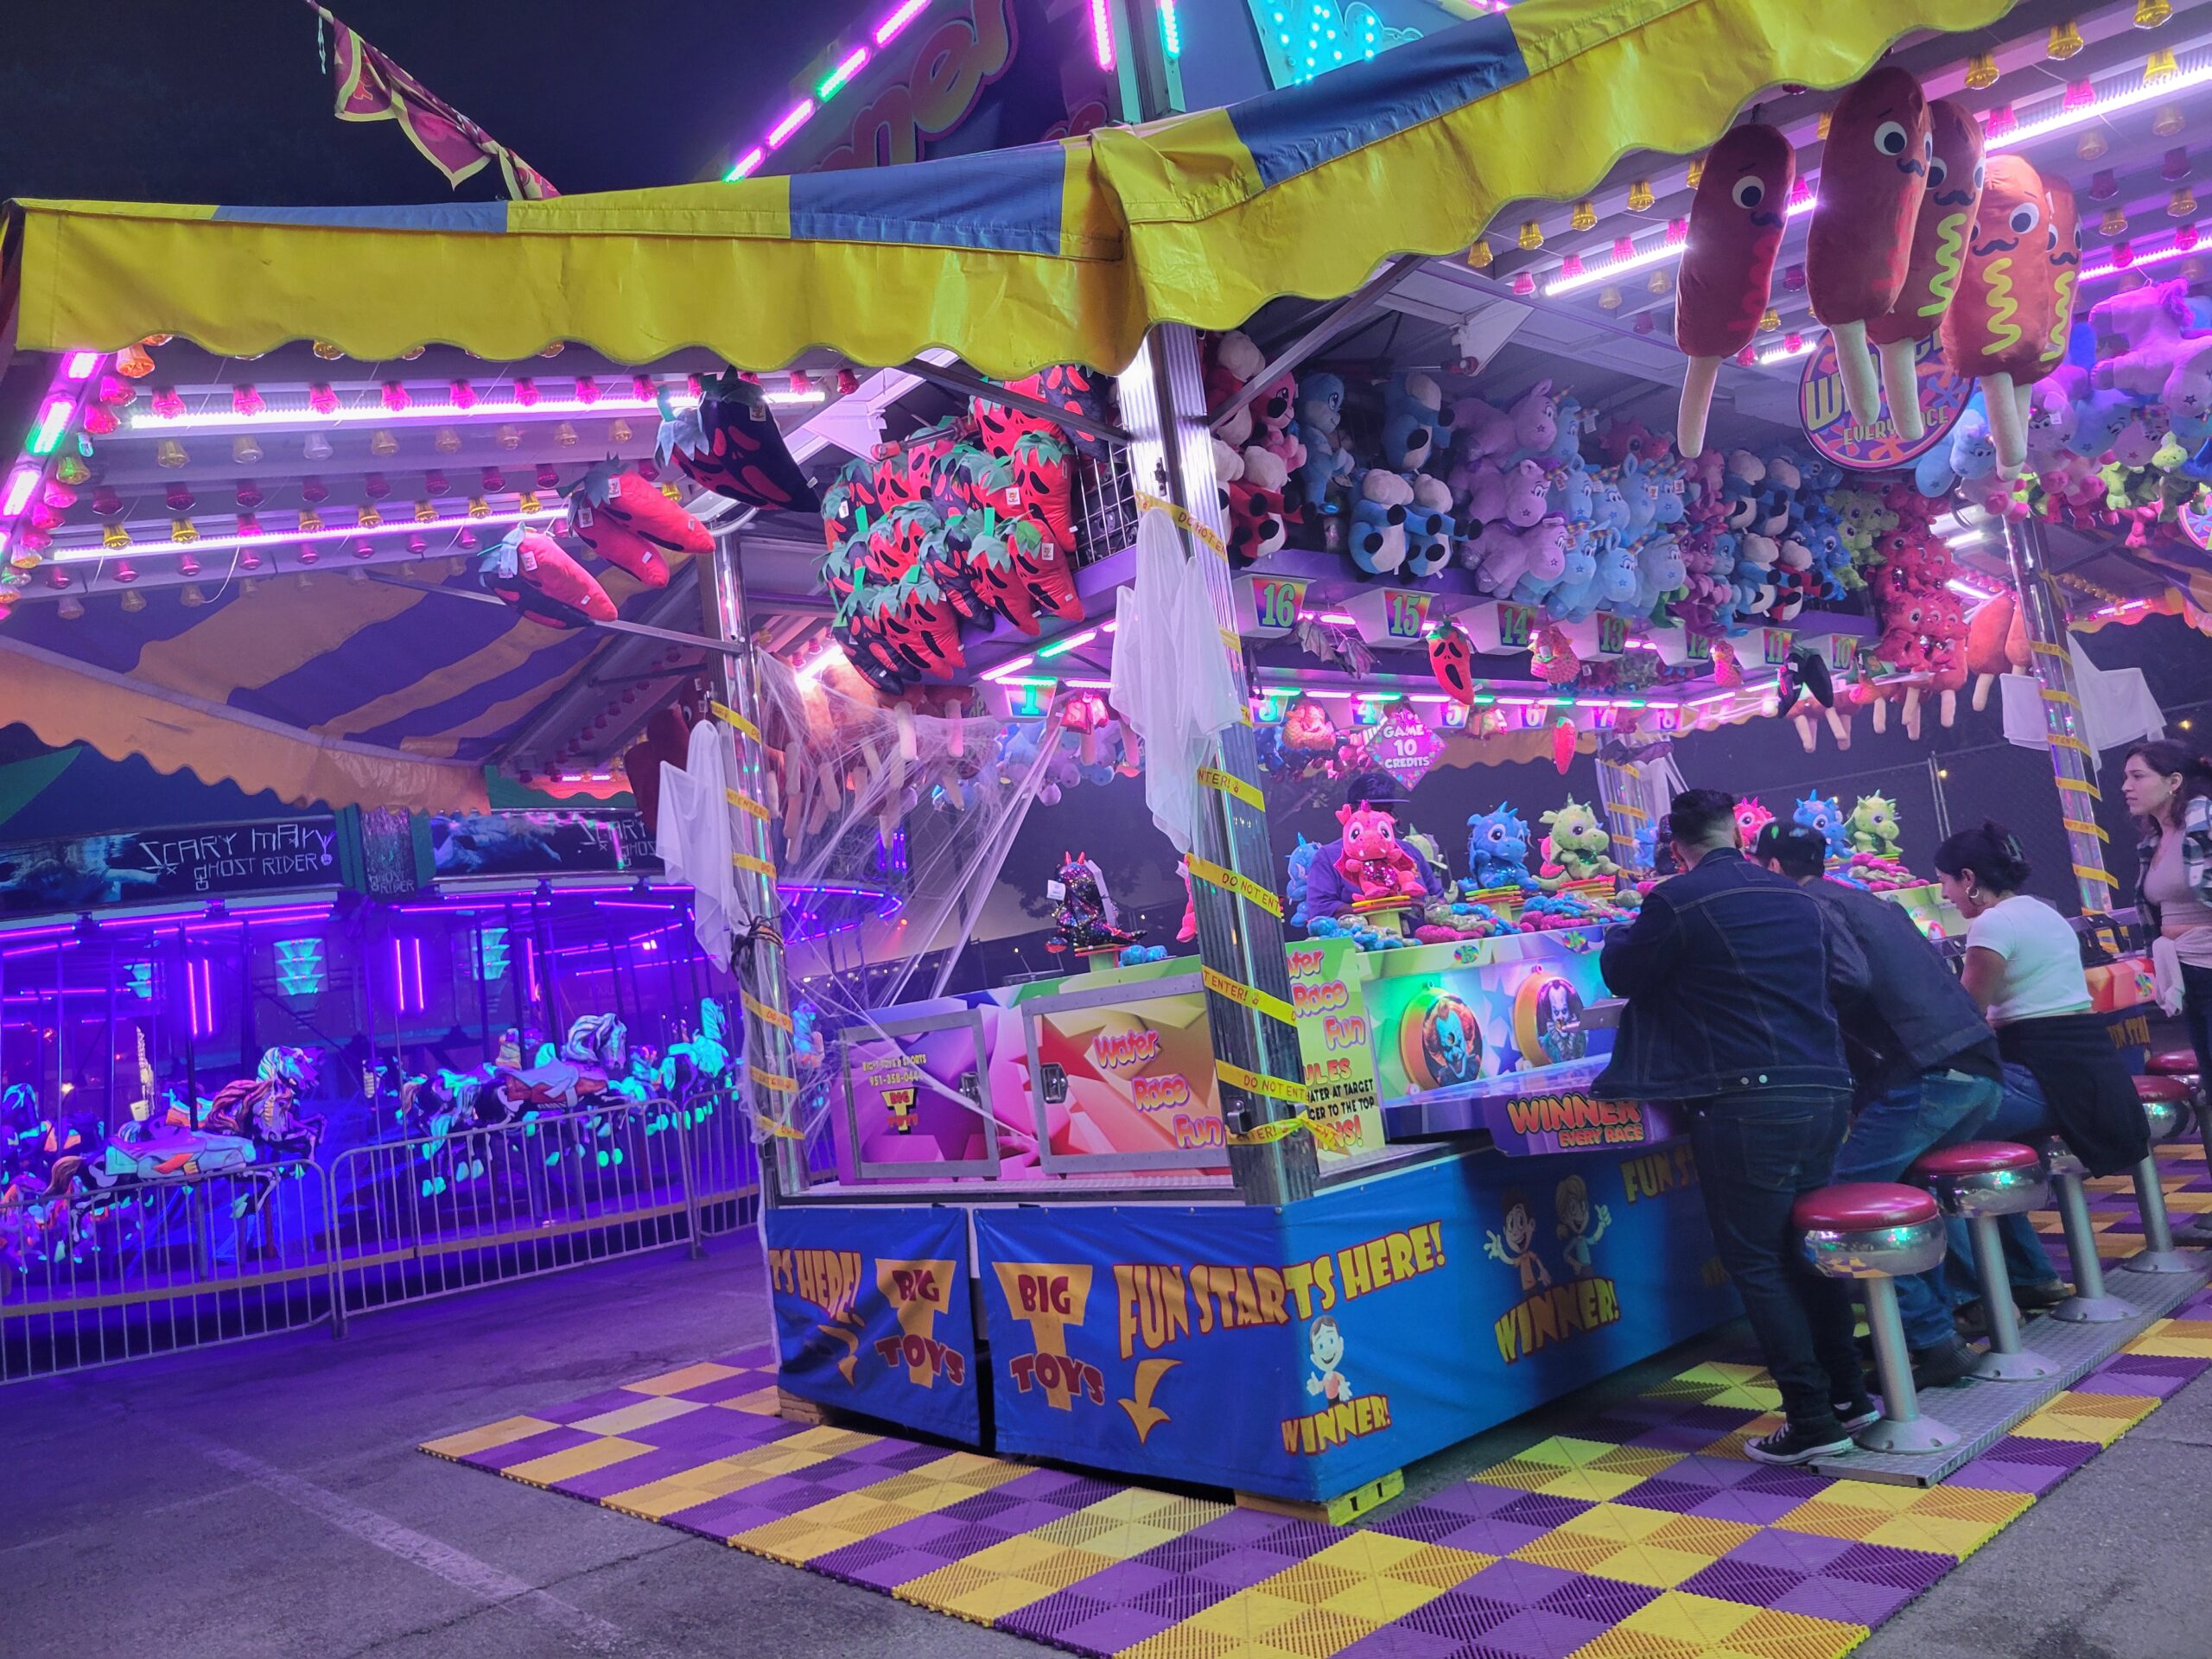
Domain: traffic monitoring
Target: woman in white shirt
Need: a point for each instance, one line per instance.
(2024, 964)
(2170, 791)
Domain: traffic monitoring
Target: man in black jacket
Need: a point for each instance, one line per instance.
(1927, 1071)
(1729, 971)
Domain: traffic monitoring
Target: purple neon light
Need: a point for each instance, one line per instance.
(850, 64)
(889, 28)
(790, 123)
(1101, 32)
(79, 365)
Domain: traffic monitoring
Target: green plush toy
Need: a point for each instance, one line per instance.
(1873, 825)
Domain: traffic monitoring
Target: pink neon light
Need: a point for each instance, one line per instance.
(752, 158)
(19, 490)
(1102, 34)
(899, 19)
(93, 553)
(79, 365)
(2160, 256)
(846, 69)
(790, 123)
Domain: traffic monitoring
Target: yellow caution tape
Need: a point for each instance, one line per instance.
(781, 1084)
(759, 867)
(1228, 881)
(779, 1131)
(1222, 985)
(747, 804)
(2067, 741)
(1229, 784)
(2084, 827)
(1259, 1083)
(2090, 872)
(1183, 520)
(1281, 1129)
(2044, 649)
(760, 1010)
(2083, 786)
(729, 716)
(1627, 811)
(2051, 695)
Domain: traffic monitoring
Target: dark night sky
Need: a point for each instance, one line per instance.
(223, 100)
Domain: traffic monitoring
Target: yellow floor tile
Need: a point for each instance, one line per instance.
(1249, 1613)
(576, 1461)
(658, 1499)
(689, 1377)
(644, 1414)
(505, 1432)
(762, 1402)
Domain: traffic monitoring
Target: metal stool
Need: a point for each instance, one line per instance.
(2089, 1303)
(2181, 1064)
(1979, 1181)
(2164, 1099)
(1874, 1232)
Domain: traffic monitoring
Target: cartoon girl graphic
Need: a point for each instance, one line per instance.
(1518, 1248)
(1571, 1202)
(1325, 1345)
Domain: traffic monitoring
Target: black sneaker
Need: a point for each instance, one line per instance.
(1855, 1414)
(1941, 1366)
(2034, 1299)
(1796, 1444)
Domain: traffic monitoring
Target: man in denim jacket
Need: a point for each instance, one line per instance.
(1729, 971)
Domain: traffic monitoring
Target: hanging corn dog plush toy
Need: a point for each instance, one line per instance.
(2001, 319)
(2062, 252)
(1727, 267)
(1873, 175)
(1939, 248)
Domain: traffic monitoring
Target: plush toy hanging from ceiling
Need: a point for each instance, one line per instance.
(1873, 174)
(1727, 266)
(631, 524)
(530, 571)
(2062, 253)
(2002, 318)
(730, 444)
(1939, 246)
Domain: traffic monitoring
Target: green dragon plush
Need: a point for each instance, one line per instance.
(1579, 846)
(1873, 825)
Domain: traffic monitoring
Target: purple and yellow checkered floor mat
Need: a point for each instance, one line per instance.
(1647, 1535)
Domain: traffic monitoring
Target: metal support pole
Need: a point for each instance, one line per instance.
(1163, 399)
(2072, 761)
(770, 1064)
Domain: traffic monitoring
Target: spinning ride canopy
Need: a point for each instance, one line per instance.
(1014, 259)
(382, 693)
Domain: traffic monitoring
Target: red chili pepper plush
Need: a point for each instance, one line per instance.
(632, 526)
(2002, 316)
(1873, 174)
(532, 572)
(1939, 247)
(1727, 266)
(731, 444)
(1452, 660)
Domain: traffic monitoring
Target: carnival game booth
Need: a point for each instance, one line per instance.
(1281, 1216)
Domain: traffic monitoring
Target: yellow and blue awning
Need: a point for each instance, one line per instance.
(1055, 252)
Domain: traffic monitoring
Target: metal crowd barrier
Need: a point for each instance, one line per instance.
(170, 1264)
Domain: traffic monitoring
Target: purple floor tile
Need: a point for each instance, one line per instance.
(1721, 1420)
(1607, 1601)
(1523, 1583)
(877, 1564)
(1534, 1634)
(730, 1387)
(1400, 1641)
(1122, 1582)
(2139, 1383)
(1179, 1599)
(1193, 1551)
(1705, 1470)
(2056, 1454)
(1677, 1436)
(1799, 1553)
(532, 1446)
(1426, 1523)
(1903, 1569)
(1745, 1507)
(1540, 1509)
(1461, 1616)
(1488, 1535)
(1729, 1580)
(1661, 1493)
(575, 1411)
(1981, 1475)
(1788, 1483)
(631, 1471)
(1845, 1601)
(2156, 1365)
(1102, 1634)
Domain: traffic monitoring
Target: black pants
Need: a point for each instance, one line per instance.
(1755, 1154)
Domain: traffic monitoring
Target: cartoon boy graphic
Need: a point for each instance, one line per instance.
(1518, 1248)
(1572, 1203)
(1325, 1344)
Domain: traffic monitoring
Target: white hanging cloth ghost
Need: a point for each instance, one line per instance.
(2117, 705)
(1172, 679)
(694, 840)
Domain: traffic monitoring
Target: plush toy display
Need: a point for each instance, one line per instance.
(1577, 847)
(1727, 266)
(1939, 240)
(1825, 814)
(1083, 917)
(1873, 174)
(1497, 850)
(1378, 542)
(1373, 862)
(729, 443)
(1997, 644)
(631, 524)
(2003, 315)
(1328, 458)
(530, 571)
(1872, 826)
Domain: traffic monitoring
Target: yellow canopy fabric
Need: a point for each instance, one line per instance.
(1014, 259)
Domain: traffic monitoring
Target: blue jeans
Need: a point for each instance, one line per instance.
(2022, 1116)
(1937, 1108)
(1756, 1155)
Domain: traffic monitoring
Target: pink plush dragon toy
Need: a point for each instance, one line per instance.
(1372, 863)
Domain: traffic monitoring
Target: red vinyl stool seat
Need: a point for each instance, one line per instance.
(1976, 1158)
(2162, 1087)
(1857, 1205)
(2173, 1062)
